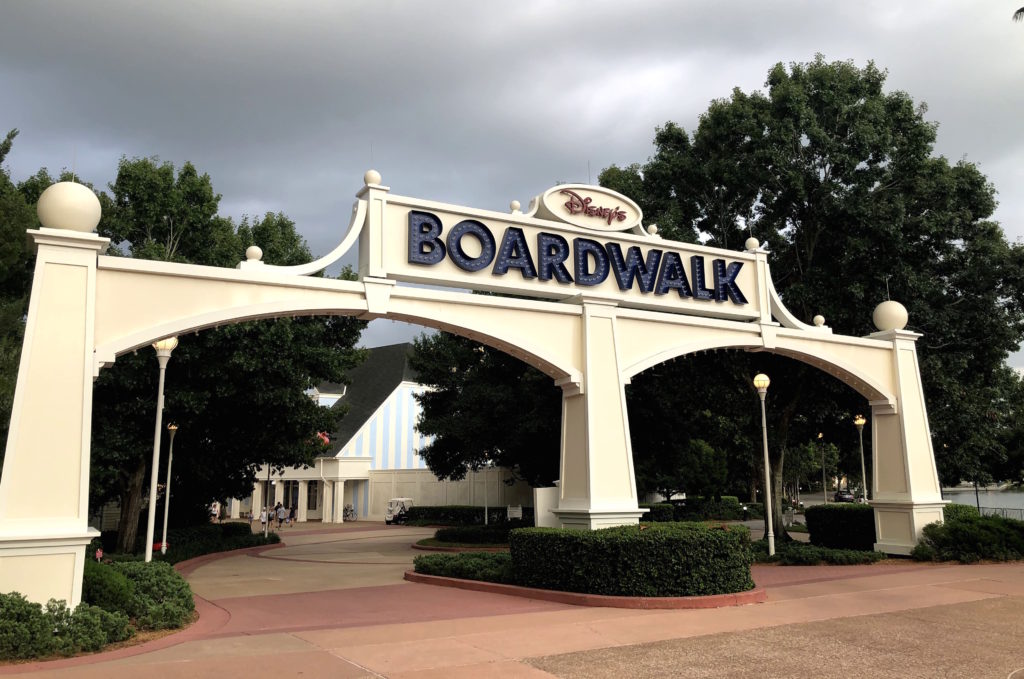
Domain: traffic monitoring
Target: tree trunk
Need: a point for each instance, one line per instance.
(131, 507)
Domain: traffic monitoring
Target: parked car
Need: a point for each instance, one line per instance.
(397, 511)
(844, 496)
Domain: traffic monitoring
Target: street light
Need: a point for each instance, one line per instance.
(172, 429)
(761, 383)
(163, 354)
(821, 446)
(858, 422)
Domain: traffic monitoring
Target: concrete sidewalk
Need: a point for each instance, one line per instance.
(331, 602)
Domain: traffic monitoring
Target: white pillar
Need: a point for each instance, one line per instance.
(339, 501)
(597, 487)
(278, 492)
(327, 511)
(233, 507)
(906, 495)
(300, 515)
(44, 490)
(257, 499)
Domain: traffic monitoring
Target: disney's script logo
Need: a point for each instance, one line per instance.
(577, 204)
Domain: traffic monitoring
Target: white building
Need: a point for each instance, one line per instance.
(374, 454)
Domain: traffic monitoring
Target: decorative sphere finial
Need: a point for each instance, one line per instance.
(751, 244)
(890, 315)
(253, 253)
(514, 206)
(653, 229)
(818, 320)
(69, 205)
(372, 177)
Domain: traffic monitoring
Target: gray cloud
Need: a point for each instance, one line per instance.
(285, 105)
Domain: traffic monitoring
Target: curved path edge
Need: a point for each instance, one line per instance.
(482, 548)
(753, 596)
(210, 618)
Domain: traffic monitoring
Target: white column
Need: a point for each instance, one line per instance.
(300, 515)
(44, 490)
(257, 499)
(905, 482)
(327, 511)
(233, 507)
(278, 492)
(339, 501)
(597, 487)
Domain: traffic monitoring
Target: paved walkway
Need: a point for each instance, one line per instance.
(331, 602)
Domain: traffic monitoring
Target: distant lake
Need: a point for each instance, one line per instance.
(1001, 499)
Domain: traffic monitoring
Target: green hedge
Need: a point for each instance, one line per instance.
(108, 588)
(972, 538)
(465, 515)
(803, 554)
(162, 599)
(474, 535)
(658, 512)
(666, 559)
(486, 566)
(955, 512)
(842, 526)
(29, 630)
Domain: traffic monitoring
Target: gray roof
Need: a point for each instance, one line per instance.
(370, 383)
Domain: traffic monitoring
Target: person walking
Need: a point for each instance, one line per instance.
(263, 519)
(280, 515)
(291, 516)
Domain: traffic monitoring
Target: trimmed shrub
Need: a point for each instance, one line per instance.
(465, 515)
(842, 526)
(474, 535)
(24, 630)
(955, 512)
(486, 566)
(972, 538)
(659, 512)
(235, 529)
(802, 554)
(709, 509)
(662, 559)
(108, 588)
(163, 599)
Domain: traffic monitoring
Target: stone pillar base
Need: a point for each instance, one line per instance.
(592, 519)
(898, 525)
(45, 567)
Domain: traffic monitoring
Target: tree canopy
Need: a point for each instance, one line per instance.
(237, 394)
(838, 178)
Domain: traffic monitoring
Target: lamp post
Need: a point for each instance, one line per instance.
(172, 429)
(266, 504)
(821, 447)
(761, 383)
(858, 422)
(163, 354)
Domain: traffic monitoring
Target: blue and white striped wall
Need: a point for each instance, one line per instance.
(389, 438)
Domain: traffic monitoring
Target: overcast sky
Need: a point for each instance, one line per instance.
(286, 104)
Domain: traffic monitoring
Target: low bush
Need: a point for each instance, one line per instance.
(969, 539)
(29, 630)
(486, 566)
(803, 554)
(465, 515)
(661, 559)
(474, 535)
(108, 588)
(658, 512)
(163, 600)
(188, 543)
(24, 630)
(955, 512)
(842, 526)
(710, 509)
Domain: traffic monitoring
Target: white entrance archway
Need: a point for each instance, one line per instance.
(609, 298)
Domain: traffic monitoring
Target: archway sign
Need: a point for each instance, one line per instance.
(608, 299)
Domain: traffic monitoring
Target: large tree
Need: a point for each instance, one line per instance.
(838, 177)
(236, 393)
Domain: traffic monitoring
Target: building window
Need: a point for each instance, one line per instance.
(311, 494)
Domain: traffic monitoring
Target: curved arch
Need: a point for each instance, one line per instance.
(542, 359)
(856, 379)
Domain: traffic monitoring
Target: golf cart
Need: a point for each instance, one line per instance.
(397, 511)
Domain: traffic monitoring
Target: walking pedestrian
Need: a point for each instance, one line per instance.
(280, 514)
(263, 519)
